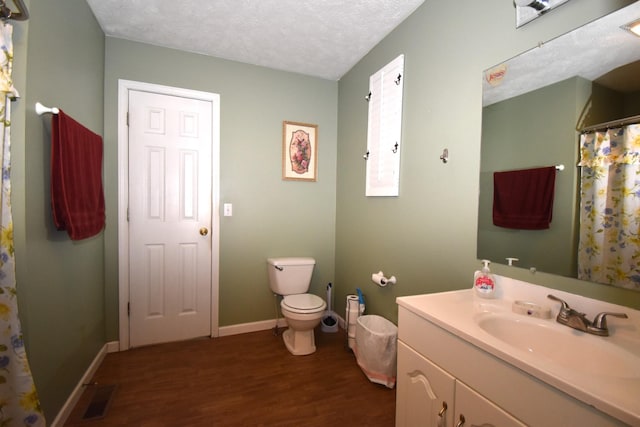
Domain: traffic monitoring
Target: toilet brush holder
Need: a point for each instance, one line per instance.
(329, 322)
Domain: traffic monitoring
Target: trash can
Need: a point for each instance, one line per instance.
(376, 349)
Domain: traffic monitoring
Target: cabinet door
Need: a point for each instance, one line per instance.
(424, 395)
(474, 410)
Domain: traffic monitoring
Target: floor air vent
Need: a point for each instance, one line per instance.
(100, 402)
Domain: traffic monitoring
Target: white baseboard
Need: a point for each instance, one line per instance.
(262, 325)
(73, 399)
(341, 322)
(244, 328)
(113, 346)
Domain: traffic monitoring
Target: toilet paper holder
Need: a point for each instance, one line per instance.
(380, 280)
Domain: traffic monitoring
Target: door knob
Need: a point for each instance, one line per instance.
(204, 231)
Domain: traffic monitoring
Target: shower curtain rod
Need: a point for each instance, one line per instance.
(614, 123)
(6, 13)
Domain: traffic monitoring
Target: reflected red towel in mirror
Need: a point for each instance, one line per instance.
(77, 198)
(523, 199)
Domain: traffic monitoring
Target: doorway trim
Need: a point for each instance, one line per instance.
(124, 86)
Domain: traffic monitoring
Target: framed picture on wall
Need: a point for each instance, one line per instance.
(299, 151)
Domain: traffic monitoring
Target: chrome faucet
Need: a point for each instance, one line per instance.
(576, 320)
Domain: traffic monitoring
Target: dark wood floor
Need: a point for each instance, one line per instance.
(241, 380)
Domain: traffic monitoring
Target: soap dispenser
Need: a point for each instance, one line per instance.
(483, 281)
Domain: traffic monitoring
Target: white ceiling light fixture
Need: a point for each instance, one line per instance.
(528, 10)
(539, 5)
(633, 27)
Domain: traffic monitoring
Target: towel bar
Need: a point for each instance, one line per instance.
(41, 109)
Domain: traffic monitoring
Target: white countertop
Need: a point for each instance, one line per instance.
(616, 393)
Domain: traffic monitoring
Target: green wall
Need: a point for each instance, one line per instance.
(632, 104)
(271, 217)
(533, 130)
(426, 237)
(60, 282)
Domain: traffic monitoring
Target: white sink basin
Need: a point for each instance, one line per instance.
(603, 372)
(562, 345)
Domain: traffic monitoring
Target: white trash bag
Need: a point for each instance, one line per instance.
(376, 349)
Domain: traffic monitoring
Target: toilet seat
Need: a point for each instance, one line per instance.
(303, 303)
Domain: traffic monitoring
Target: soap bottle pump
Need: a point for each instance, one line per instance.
(483, 281)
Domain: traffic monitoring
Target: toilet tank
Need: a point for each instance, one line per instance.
(288, 276)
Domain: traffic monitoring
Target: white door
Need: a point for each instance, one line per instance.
(170, 139)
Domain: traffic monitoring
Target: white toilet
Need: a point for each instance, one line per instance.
(291, 277)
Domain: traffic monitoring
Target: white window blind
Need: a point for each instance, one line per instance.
(385, 130)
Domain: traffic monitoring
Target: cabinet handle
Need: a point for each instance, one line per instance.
(443, 411)
(461, 422)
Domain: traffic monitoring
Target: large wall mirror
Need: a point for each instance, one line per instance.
(534, 109)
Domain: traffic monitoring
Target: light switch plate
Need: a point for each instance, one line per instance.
(228, 209)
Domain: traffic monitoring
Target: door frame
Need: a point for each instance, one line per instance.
(124, 86)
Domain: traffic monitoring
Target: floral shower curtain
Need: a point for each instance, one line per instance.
(19, 404)
(609, 249)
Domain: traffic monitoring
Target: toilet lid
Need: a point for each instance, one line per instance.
(301, 303)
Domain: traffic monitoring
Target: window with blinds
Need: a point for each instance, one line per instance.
(385, 129)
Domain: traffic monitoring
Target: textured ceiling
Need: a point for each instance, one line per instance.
(598, 51)
(321, 38)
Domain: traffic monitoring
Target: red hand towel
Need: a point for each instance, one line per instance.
(77, 198)
(523, 199)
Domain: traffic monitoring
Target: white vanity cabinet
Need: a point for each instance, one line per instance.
(424, 392)
(436, 366)
(429, 396)
(471, 409)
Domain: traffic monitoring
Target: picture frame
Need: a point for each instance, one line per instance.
(299, 151)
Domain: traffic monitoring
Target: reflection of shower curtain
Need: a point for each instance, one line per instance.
(19, 404)
(609, 250)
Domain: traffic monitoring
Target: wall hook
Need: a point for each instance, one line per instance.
(445, 156)
(368, 97)
(397, 80)
(366, 156)
(395, 148)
